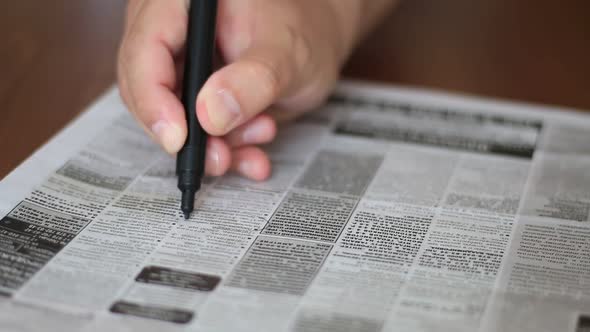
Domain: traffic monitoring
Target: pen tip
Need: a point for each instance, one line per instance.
(188, 201)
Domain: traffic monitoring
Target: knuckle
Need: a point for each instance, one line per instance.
(121, 61)
(124, 59)
(126, 55)
(123, 82)
(124, 97)
(141, 108)
(268, 74)
(300, 48)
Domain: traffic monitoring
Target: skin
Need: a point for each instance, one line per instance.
(280, 58)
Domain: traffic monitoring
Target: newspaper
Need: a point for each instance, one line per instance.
(389, 209)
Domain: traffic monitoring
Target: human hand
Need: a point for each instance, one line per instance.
(283, 55)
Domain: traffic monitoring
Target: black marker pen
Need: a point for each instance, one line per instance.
(200, 45)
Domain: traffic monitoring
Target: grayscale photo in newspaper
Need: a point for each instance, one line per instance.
(388, 209)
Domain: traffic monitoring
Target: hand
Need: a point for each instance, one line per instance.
(279, 54)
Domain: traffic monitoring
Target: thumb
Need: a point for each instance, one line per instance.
(270, 69)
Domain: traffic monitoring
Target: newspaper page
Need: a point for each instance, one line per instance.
(388, 209)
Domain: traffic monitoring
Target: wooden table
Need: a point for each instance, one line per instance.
(59, 55)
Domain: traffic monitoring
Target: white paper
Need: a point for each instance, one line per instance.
(389, 209)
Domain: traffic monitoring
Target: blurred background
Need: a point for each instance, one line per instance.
(58, 56)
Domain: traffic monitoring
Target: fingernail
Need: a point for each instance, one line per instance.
(245, 167)
(169, 135)
(213, 156)
(254, 133)
(223, 110)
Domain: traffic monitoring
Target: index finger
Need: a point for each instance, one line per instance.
(147, 74)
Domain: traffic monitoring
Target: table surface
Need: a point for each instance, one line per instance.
(58, 56)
